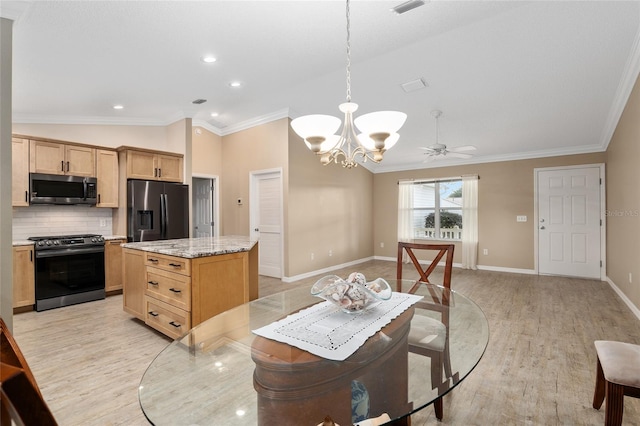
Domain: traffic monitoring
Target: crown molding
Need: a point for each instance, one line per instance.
(589, 149)
(119, 121)
(263, 119)
(205, 125)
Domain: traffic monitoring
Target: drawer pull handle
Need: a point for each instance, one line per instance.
(153, 314)
(153, 282)
(175, 324)
(175, 290)
(176, 265)
(153, 260)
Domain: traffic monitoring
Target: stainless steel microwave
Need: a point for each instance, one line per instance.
(60, 189)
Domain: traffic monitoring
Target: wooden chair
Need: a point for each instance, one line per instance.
(20, 397)
(430, 337)
(617, 376)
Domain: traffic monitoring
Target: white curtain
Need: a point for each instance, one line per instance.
(469, 222)
(405, 218)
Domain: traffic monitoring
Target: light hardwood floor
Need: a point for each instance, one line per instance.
(539, 367)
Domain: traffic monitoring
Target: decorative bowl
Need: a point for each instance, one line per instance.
(354, 294)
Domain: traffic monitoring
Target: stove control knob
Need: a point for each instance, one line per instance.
(100, 239)
(93, 240)
(48, 242)
(40, 243)
(56, 242)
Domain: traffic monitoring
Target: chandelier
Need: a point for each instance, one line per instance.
(378, 129)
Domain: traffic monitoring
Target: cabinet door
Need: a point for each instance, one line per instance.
(80, 161)
(113, 265)
(134, 285)
(46, 157)
(107, 174)
(20, 172)
(170, 168)
(24, 290)
(141, 165)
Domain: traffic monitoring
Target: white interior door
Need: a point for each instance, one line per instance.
(569, 221)
(203, 207)
(266, 213)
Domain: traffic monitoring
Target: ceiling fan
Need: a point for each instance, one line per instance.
(440, 151)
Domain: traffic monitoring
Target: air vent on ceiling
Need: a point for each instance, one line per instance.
(199, 101)
(412, 86)
(407, 6)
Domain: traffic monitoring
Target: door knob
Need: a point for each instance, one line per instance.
(541, 220)
(542, 227)
(256, 229)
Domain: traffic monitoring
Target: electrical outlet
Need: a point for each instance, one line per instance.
(630, 278)
(103, 223)
(485, 252)
(330, 253)
(312, 256)
(381, 245)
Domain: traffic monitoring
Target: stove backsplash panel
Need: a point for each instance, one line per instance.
(38, 221)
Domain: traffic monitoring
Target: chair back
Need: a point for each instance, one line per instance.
(20, 397)
(441, 250)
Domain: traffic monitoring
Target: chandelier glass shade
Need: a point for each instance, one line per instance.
(378, 130)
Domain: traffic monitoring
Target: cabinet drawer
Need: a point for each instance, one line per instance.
(169, 263)
(167, 319)
(169, 287)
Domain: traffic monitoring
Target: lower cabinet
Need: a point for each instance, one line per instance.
(113, 265)
(24, 287)
(173, 294)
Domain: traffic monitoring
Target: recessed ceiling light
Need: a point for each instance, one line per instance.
(208, 59)
(235, 84)
(214, 114)
(118, 107)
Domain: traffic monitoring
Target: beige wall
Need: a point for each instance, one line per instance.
(330, 208)
(6, 255)
(623, 201)
(262, 147)
(151, 137)
(207, 148)
(505, 190)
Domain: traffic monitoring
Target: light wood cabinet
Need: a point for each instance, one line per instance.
(19, 172)
(134, 284)
(113, 265)
(60, 159)
(154, 166)
(24, 290)
(181, 293)
(107, 176)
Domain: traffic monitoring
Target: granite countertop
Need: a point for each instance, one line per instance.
(16, 243)
(114, 237)
(191, 248)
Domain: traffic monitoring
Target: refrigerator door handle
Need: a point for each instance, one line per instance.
(163, 216)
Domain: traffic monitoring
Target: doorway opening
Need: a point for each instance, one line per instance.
(204, 206)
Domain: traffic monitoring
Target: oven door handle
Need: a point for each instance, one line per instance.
(68, 252)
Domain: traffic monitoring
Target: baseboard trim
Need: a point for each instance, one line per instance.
(324, 270)
(624, 298)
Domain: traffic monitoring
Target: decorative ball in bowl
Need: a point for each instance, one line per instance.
(354, 294)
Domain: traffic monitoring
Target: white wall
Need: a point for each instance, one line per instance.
(6, 253)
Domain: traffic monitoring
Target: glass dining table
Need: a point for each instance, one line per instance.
(221, 372)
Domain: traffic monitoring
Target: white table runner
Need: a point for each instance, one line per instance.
(327, 331)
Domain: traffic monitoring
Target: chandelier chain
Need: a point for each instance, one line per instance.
(348, 53)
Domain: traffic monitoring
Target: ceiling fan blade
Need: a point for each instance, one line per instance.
(430, 158)
(458, 155)
(426, 148)
(462, 148)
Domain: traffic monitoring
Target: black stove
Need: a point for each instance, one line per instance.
(69, 269)
(67, 241)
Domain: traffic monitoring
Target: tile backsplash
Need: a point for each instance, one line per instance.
(38, 221)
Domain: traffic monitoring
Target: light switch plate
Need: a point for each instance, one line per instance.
(521, 218)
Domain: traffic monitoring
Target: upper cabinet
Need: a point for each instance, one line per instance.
(107, 175)
(20, 172)
(154, 166)
(61, 159)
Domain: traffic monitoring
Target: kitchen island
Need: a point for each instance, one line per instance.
(173, 285)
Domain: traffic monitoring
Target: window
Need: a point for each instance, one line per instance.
(436, 210)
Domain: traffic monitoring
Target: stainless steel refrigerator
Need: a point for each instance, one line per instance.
(157, 210)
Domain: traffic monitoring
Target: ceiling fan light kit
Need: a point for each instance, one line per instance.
(379, 130)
